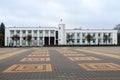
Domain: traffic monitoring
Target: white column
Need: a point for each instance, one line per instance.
(38, 38)
(54, 37)
(43, 37)
(101, 38)
(7, 34)
(15, 41)
(32, 37)
(80, 38)
(75, 38)
(20, 37)
(96, 37)
(49, 36)
(114, 37)
(26, 38)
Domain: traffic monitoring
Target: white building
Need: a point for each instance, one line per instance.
(59, 36)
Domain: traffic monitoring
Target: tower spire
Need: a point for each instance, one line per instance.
(61, 20)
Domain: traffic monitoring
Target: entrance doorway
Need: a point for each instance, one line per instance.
(46, 41)
(52, 41)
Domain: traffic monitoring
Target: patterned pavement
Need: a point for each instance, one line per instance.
(60, 63)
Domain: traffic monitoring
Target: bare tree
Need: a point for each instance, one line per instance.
(89, 38)
(2, 34)
(1, 39)
(106, 38)
(118, 38)
(70, 38)
(15, 38)
(29, 39)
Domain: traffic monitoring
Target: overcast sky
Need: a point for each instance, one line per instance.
(92, 14)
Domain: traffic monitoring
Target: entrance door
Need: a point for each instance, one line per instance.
(52, 41)
(46, 41)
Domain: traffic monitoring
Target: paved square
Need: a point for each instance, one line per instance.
(60, 63)
(34, 59)
(82, 58)
(29, 68)
(100, 66)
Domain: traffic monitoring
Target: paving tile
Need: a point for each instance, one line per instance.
(73, 54)
(34, 59)
(100, 66)
(83, 58)
(29, 68)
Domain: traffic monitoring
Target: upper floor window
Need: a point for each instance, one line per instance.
(24, 38)
(72, 34)
(99, 34)
(23, 31)
(109, 34)
(93, 34)
(35, 31)
(29, 31)
(52, 32)
(41, 31)
(78, 34)
(17, 31)
(46, 32)
(12, 31)
(83, 34)
(104, 34)
(59, 27)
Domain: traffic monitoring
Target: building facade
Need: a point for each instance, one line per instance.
(41, 36)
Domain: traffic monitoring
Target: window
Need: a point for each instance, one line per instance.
(72, 34)
(52, 32)
(110, 40)
(83, 41)
(59, 28)
(35, 38)
(46, 32)
(35, 32)
(12, 31)
(98, 34)
(109, 34)
(104, 34)
(104, 40)
(23, 32)
(17, 31)
(99, 40)
(29, 32)
(72, 41)
(93, 34)
(93, 40)
(78, 41)
(24, 38)
(41, 32)
(41, 38)
(83, 34)
(78, 34)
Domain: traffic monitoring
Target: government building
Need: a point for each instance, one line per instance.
(50, 36)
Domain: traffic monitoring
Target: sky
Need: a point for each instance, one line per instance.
(85, 14)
